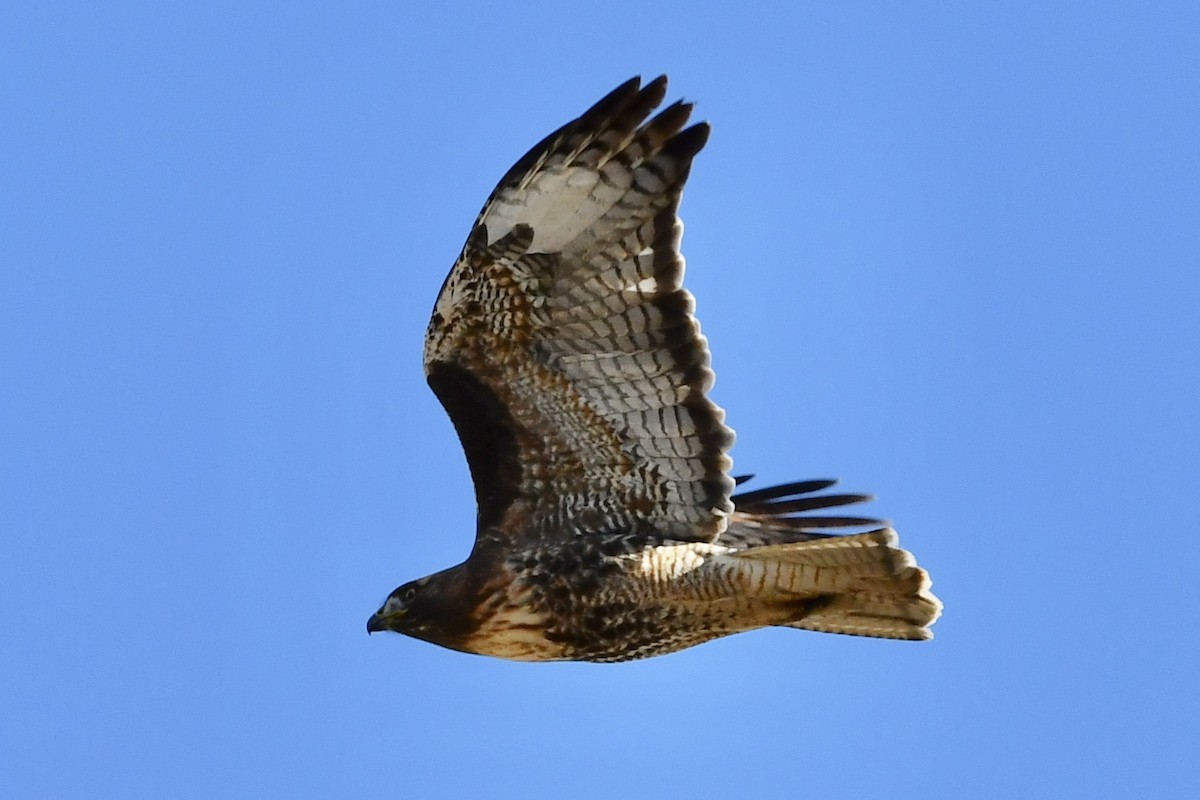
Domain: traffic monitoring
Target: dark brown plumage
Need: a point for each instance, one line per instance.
(564, 348)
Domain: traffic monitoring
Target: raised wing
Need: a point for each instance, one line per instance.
(564, 347)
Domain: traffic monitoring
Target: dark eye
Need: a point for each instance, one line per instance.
(408, 594)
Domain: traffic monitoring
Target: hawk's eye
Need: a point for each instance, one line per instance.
(408, 594)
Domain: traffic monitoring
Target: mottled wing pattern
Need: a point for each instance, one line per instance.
(564, 346)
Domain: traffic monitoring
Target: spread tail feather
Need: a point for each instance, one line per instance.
(863, 585)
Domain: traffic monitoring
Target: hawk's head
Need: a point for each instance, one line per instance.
(406, 609)
(433, 608)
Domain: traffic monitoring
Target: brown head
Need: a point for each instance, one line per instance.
(439, 608)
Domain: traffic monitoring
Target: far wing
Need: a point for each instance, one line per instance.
(791, 512)
(564, 346)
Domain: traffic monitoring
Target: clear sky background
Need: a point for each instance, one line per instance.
(947, 252)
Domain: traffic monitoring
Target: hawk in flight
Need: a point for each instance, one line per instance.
(566, 352)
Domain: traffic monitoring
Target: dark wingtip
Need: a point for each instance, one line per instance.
(783, 490)
(689, 141)
(658, 83)
(785, 506)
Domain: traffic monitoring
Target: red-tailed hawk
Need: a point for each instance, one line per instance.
(564, 348)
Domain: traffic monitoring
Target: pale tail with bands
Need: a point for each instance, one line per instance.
(863, 584)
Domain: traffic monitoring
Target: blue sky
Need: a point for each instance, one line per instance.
(946, 252)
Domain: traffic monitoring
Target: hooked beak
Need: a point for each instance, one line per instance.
(375, 623)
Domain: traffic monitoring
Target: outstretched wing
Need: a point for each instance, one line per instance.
(563, 344)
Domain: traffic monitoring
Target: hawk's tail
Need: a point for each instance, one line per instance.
(863, 584)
